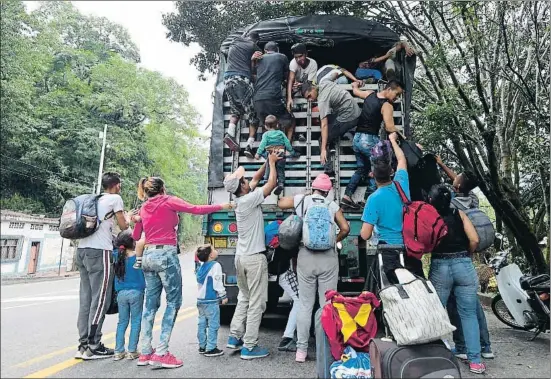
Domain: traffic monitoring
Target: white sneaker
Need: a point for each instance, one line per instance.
(488, 355)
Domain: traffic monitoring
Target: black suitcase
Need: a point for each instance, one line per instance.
(431, 360)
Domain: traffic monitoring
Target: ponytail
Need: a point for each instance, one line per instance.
(124, 242)
(150, 187)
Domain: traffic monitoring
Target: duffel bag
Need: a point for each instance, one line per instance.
(482, 224)
(432, 360)
(290, 230)
(413, 310)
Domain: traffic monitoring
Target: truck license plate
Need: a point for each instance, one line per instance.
(220, 242)
(232, 241)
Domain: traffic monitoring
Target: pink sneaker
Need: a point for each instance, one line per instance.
(145, 359)
(167, 361)
(477, 368)
(301, 356)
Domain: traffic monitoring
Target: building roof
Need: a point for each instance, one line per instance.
(7, 215)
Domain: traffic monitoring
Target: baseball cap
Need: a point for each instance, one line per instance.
(231, 182)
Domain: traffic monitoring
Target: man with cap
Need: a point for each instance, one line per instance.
(250, 261)
(271, 72)
(339, 113)
(318, 271)
(301, 70)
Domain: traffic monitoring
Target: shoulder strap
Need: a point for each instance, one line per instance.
(298, 205)
(402, 193)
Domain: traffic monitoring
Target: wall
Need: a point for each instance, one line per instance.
(50, 244)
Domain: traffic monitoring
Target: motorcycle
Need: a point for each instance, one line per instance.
(523, 300)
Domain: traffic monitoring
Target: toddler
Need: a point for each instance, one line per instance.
(274, 140)
(211, 294)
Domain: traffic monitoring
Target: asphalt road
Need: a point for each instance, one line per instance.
(39, 339)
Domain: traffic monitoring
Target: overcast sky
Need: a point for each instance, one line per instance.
(143, 20)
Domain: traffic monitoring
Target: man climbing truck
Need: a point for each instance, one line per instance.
(341, 40)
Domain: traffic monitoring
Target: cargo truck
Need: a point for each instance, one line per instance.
(341, 40)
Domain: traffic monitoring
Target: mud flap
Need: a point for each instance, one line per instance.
(324, 359)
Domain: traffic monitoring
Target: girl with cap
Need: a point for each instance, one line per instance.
(318, 271)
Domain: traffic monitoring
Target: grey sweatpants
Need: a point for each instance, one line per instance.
(252, 281)
(96, 286)
(318, 271)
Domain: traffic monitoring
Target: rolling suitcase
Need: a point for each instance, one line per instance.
(432, 360)
(324, 359)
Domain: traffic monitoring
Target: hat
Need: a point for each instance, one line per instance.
(231, 182)
(322, 183)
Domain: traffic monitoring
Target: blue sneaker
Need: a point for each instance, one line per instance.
(234, 343)
(254, 353)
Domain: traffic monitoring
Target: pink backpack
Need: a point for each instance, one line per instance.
(423, 227)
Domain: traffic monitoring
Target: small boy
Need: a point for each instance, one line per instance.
(211, 294)
(274, 139)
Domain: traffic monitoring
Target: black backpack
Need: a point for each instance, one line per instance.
(80, 217)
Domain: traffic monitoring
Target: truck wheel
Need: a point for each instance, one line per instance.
(226, 314)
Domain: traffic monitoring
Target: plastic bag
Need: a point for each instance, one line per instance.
(290, 232)
(352, 365)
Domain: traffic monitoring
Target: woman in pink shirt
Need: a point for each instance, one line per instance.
(158, 218)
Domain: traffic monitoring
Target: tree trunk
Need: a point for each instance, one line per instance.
(518, 226)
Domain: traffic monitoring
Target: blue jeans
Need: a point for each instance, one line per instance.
(209, 319)
(362, 145)
(161, 269)
(130, 310)
(459, 276)
(458, 338)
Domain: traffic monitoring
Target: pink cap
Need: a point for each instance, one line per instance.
(322, 183)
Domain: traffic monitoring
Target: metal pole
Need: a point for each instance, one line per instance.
(60, 257)
(101, 159)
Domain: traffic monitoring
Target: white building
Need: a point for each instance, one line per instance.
(31, 243)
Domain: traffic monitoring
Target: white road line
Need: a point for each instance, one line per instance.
(39, 298)
(44, 293)
(29, 305)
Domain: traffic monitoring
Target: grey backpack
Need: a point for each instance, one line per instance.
(482, 224)
(290, 230)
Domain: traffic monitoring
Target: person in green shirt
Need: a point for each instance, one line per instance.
(274, 140)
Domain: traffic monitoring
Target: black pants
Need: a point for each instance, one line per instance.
(336, 130)
(391, 261)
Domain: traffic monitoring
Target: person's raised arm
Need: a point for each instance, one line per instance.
(358, 92)
(470, 231)
(290, 83)
(137, 232)
(449, 172)
(272, 179)
(179, 205)
(402, 162)
(121, 220)
(344, 228)
(286, 202)
(258, 175)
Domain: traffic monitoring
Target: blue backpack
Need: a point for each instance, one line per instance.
(318, 228)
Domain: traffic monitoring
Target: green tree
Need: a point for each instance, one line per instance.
(64, 76)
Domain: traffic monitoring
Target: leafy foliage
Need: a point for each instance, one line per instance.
(481, 93)
(64, 76)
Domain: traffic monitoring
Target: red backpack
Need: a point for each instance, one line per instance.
(423, 227)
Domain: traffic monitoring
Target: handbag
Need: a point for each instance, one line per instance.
(114, 305)
(290, 230)
(413, 310)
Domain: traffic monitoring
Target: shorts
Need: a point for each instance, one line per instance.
(239, 91)
(275, 107)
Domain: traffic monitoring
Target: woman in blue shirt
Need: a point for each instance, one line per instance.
(130, 287)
